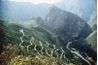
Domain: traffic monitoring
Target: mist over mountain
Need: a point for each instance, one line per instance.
(93, 20)
(21, 11)
(24, 11)
(66, 24)
(82, 8)
(54, 18)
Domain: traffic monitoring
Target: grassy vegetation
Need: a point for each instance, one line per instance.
(92, 40)
(11, 55)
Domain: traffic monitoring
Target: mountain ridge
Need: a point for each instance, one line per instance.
(64, 23)
(27, 11)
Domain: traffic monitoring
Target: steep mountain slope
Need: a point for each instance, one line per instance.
(66, 24)
(13, 35)
(40, 35)
(92, 40)
(48, 40)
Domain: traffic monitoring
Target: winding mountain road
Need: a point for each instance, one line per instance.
(76, 53)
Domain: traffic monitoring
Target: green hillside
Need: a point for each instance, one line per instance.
(48, 40)
(92, 40)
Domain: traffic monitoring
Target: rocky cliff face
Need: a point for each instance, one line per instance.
(66, 23)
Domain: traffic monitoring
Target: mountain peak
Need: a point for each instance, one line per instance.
(54, 9)
(66, 23)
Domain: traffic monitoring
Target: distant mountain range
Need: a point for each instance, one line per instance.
(24, 11)
(21, 11)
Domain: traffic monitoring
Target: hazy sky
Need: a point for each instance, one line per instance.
(39, 1)
(82, 8)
